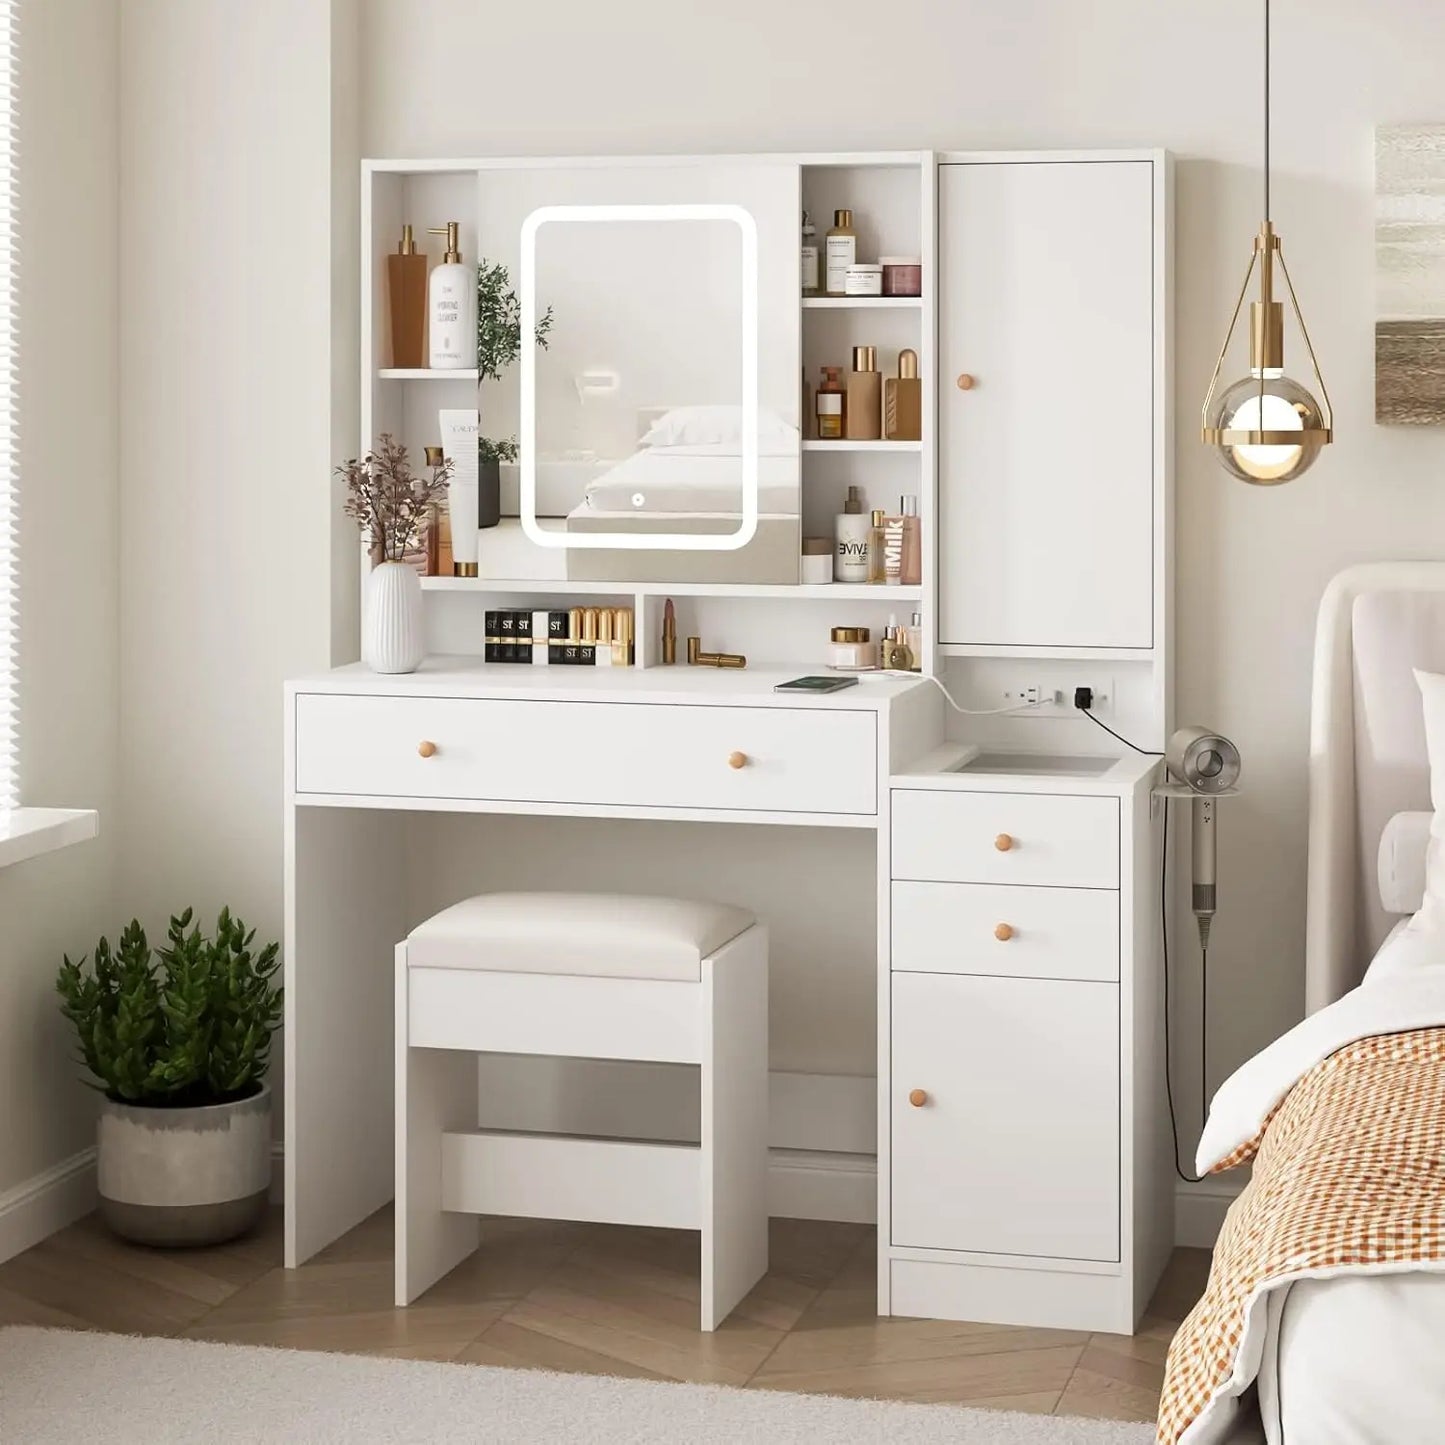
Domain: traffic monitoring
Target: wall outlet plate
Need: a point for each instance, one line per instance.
(1054, 697)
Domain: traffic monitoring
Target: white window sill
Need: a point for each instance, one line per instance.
(29, 832)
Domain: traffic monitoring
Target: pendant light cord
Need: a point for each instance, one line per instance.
(1267, 215)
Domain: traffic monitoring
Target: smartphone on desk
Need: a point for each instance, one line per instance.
(816, 684)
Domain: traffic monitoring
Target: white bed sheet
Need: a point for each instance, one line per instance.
(694, 479)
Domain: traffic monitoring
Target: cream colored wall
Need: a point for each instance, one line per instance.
(238, 324)
(69, 670)
(647, 75)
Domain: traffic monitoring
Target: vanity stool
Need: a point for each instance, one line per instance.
(594, 976)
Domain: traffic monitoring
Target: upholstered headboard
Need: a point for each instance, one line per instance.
(1367, 754)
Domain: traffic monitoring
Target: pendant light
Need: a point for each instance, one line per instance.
(1268, 427)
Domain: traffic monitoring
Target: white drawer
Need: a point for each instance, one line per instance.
(1005, 931)
(794, 760)
(1036, 838)
(1013, 1144)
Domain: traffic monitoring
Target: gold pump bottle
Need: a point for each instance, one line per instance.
(406, 269)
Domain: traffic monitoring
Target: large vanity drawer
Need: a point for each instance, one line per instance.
(641, 755)
(1007, 932)
(1036, 838)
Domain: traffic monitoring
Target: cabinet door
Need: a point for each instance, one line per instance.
(1015, 1147)
(1046, 470)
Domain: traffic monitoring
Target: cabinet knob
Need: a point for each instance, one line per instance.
(426, 748)
(1003, 932)
(965, 381)
(1003, 842)
(737, 760)
(918, 1098)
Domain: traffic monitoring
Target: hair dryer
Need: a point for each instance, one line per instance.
(1208, 765)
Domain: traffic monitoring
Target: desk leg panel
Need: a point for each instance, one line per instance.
(346, 909)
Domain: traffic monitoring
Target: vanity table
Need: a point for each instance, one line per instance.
(963, 910)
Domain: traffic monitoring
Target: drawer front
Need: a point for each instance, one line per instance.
(1015, 1146)
(617, 754)
(1032, 838)
(1003, 931)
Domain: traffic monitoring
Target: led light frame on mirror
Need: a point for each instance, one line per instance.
(526, 442)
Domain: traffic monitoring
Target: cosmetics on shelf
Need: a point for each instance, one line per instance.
(809, 257)
(561, 637)
(903, 401)
(840, 251)
(406, 269)
(850, 530)
(902, 275)
(863, 278)
(451, 294)
(863, 400)
(852, 649)
(829, 404)
(817, 566)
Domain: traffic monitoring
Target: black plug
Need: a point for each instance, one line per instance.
(1084, 698)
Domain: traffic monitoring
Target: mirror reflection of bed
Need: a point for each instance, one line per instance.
(639, 389)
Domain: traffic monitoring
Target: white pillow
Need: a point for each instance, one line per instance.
(1400, 868)
(711, 426)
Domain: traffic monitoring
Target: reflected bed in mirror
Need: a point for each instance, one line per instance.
(638, 425)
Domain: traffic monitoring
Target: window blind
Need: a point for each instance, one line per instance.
(9, 417)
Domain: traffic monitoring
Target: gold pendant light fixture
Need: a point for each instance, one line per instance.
(1268, 427)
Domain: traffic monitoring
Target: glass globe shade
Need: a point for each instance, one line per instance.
(1268, 400)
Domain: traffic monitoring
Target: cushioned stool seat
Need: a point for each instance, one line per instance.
(597, 934)
(599, 976)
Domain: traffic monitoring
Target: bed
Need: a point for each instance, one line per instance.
(1342, 1344)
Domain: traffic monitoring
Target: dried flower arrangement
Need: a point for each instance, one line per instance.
(390, 503)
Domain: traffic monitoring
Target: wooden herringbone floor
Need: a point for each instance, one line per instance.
(600, 1299)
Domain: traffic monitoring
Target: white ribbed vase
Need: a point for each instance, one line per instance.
(391, 630)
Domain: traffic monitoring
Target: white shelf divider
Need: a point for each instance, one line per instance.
(862, 303)
(814, 445)
(560, 587)
(426, 373)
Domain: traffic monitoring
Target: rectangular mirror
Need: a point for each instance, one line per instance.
(648, 284)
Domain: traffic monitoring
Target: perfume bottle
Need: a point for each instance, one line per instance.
(903, 401)
(863, 411)
(875, 547)
(840, 251)
(829, 404)
(910, 571)
(809, 257)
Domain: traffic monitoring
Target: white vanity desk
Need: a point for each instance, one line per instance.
(363, 751)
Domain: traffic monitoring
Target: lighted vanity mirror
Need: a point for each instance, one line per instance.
(659, 426)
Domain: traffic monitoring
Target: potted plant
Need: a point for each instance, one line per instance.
(392, 506)
(180, 1041)
(499, 343)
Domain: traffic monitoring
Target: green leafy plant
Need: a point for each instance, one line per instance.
(187, 1025)
(499, 342)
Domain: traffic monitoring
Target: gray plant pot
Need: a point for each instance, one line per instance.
(180, 1177)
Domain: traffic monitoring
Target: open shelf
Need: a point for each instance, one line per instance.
(862, 303)
(426, 373)
(814, 445)
(559, 586)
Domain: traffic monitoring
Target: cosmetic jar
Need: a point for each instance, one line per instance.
(902, 275)
(863, 279)
(851, 649)
(817, 560)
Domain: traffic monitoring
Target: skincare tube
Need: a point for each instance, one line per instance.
(460, 433)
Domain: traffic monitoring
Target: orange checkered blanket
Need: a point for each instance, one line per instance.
(1349, 1176)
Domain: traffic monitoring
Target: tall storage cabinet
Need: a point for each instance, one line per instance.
(1046, 345)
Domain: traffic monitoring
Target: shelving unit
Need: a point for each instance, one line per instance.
(775, 624)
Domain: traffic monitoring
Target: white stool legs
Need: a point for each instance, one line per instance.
(734, 1155)
(719, 1022)
(436, 1091)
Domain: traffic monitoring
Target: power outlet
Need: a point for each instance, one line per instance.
(1054, 697)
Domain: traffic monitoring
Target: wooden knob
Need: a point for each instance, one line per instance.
(1003, 932)
(737, 760)
(965, 381)
(1003, 842)
(918, 1098)
(426, 748)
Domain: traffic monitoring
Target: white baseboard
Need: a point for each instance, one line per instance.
(48, 1201)
(1199, 1210)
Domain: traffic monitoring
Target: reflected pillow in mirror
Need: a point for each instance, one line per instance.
(711, 426)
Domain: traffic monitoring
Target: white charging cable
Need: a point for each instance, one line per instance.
(953, 703)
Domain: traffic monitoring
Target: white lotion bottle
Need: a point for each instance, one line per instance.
(461, 432)
(851, 528)
(451, 303)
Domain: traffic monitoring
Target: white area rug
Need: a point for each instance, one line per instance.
(59, 1385)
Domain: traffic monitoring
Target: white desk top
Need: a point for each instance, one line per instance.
(468, 677)
(937, 771)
